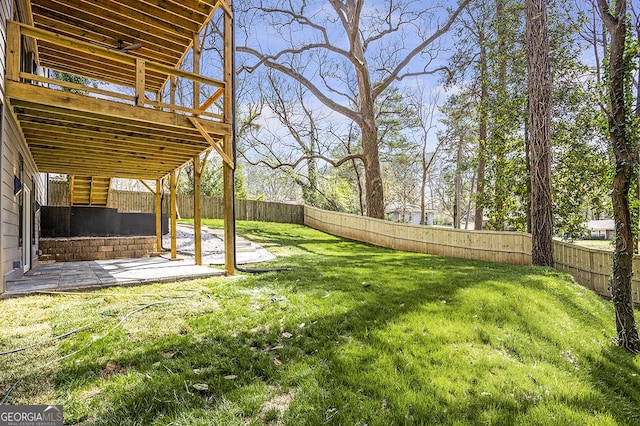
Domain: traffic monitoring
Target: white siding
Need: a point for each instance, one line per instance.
(6, 12)
(12, 147)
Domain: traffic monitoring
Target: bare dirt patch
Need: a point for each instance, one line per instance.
(272, 412)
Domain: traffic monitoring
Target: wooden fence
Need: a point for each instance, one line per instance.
(134, 201)
(589, 267)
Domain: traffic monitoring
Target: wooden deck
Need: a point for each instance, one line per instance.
(130, 120)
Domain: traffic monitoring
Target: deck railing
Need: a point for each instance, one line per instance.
(135, 81)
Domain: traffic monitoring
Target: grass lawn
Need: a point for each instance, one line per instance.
(354, 335)
(596, 244)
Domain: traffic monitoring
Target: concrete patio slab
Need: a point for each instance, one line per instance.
(103, 273)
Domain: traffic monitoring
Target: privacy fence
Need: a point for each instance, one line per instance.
(590, 268)
(211, 207)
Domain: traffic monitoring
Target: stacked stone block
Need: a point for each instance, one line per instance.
(99, 248)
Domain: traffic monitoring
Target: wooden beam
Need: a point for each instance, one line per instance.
(111, 13)
(216, 145)
(158, 194)
(174, 107)
(114, 55)
(227, 8)
(108, 192)
(196, 69)
(104, 36)
(80, 87)
(197, 217)
(71, 189)
(146, 185)
(205, 106)
(140, 83)
(228, 168)
(13, 51)
(39, 114)
(172, 90)
(174, 209)
(105, 108)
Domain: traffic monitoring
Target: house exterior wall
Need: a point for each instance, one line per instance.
(6, 12)
(13, 148)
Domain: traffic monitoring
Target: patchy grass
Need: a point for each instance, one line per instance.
(355, 334)
(596, 244)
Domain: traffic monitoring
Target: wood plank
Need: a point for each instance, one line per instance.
(37, 139)
(104, 37)
(110, 30)
(197, 217)
(75, 102)
(212, 99)
(88, 164)
(194, 11)
(47, 115)
(196, 69)
(173, 208)
(114, 14)
(228, 169)
(140, 82)
(114, 55)
(149, 12)
(13, 51)
(215, 144)
(72, 169)
(158, 211)
(203, 7)
(74, 86)
(52, 154)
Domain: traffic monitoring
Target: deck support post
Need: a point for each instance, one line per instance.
(174, 209)
(197, 216)
(228, 140)
(158, 215)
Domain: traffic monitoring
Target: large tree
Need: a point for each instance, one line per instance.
(347, 55)
(626, 152)
(539, 82)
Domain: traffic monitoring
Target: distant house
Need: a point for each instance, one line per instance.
(602, 229)
(408, 213)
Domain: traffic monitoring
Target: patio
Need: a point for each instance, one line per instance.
(61, 276)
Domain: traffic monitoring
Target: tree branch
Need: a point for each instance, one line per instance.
(349, 113)
(384, 84)
(296, 163)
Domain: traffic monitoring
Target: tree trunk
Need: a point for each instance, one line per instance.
(498, 133)
(373, 173)
(423, 186)
(482, 132)
(625, 156)
(540, 133)
(458, 186)
(310, 191)
(473, 182)
(527, 154)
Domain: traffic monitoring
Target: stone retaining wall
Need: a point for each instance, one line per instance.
(84, 248)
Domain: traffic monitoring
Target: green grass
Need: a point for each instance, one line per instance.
(596, 244)
(355, 334)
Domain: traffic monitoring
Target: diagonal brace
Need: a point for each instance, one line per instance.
(216, 145)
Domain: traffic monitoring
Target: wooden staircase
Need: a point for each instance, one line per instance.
(90, 191)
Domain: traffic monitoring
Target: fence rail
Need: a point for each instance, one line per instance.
(589, 267)
(144, 202)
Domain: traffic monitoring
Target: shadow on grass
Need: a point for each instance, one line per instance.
(331, 359)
